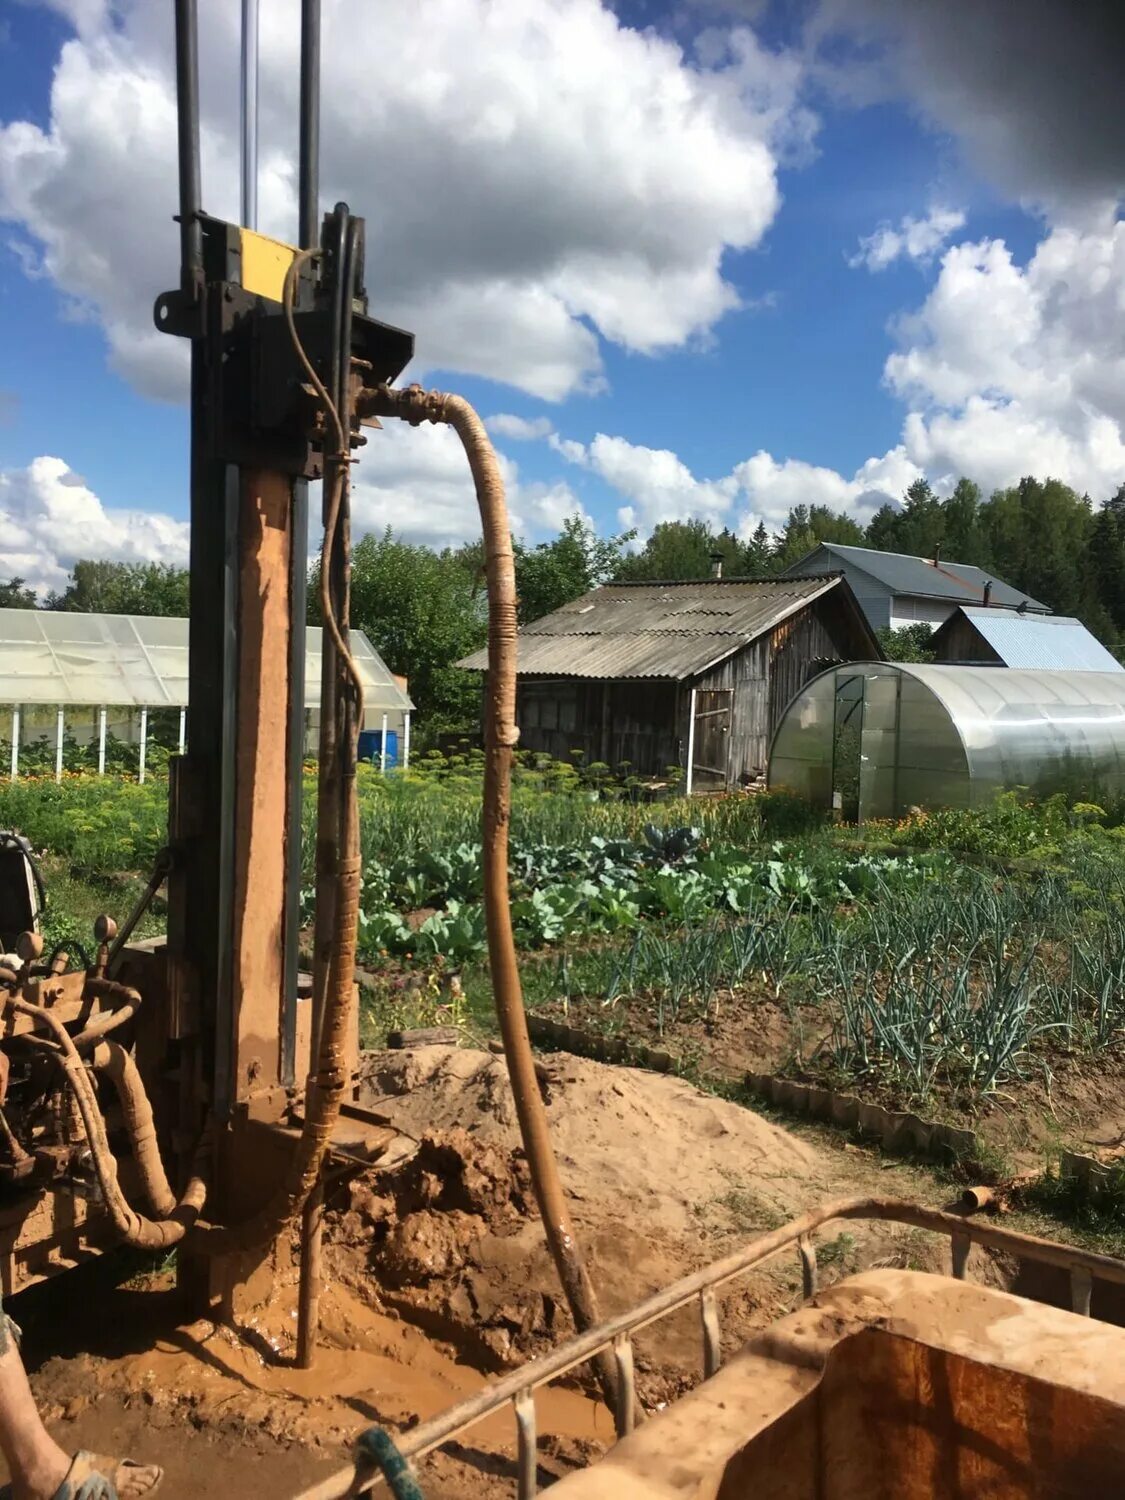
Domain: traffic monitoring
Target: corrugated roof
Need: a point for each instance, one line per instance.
(1055, 643)
(57, 657)
(668, 630)
(904, 574)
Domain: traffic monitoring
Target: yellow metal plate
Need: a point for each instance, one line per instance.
(264, 264)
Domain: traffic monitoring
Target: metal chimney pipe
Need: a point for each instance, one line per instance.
(249, 99)
(988, 592)
(716, 565)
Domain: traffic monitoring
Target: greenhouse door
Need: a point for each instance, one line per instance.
(847, 741)
(878, 766)
(710, 740)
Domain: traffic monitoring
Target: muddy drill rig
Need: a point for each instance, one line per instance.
(208, 1059)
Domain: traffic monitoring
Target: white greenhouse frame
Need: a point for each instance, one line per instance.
(55, 659)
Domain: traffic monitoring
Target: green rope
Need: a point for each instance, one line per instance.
(378, 1447)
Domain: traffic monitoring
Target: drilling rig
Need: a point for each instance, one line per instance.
(208, 1059)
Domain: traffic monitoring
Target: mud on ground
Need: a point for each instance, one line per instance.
(437, 1277)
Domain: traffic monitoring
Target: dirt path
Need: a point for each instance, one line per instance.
(438, 1278)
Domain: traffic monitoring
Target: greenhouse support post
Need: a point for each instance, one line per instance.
(58, 744)
(406, 741)
(183, 729)
(101, 741)
(690, 743)
(15, 770)
(383, 748)
(144, 744)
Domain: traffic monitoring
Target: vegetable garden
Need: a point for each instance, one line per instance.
(939, 961)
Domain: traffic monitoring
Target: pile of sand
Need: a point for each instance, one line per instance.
(643, 1147)
(661, 1179)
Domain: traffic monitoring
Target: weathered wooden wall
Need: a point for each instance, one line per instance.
(746, 676)
(961, 641)
(636, 722)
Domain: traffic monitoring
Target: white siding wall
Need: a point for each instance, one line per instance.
(908, 609)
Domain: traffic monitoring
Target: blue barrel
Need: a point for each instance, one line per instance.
(371, 745)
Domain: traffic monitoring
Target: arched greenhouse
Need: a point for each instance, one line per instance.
(876, 738)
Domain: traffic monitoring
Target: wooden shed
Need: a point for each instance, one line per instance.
(694, 675)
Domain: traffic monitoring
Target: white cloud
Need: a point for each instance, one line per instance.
(1012, 370)
(519, 429)
(1005, 370)
(418, 483)
(658, 486)
(914, 239)
(536, 174)
(656, 483)
(769, 488)
(49, 518)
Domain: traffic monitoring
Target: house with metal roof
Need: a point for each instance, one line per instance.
(695, 675)
(895, 589)
(1007, 638)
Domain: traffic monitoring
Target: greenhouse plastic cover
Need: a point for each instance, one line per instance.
(933, 735)
(58, 658)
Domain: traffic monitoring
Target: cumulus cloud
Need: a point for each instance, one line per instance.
(658, 486)
(1033, 92)
(914, 239)
(1004, 370)
(536, 173)
(418, 483)
(769, 488)
(1012, 370)
(519, 429)
(49, 518)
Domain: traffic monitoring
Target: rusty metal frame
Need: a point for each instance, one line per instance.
(1084, 1266)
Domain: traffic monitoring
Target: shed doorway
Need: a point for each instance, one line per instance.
(709, 740)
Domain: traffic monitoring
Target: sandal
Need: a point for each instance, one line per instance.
(92, 1476)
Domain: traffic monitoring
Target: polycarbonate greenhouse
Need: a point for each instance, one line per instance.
(874, 739)
(90, 674)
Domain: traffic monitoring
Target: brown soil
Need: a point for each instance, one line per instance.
(661, 1178)
(437, 1276)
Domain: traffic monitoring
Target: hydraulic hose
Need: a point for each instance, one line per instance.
(119, 1067)
(133, 1228)
(126, 1002)
(501, 734)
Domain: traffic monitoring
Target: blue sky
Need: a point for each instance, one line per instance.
(734, 413)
